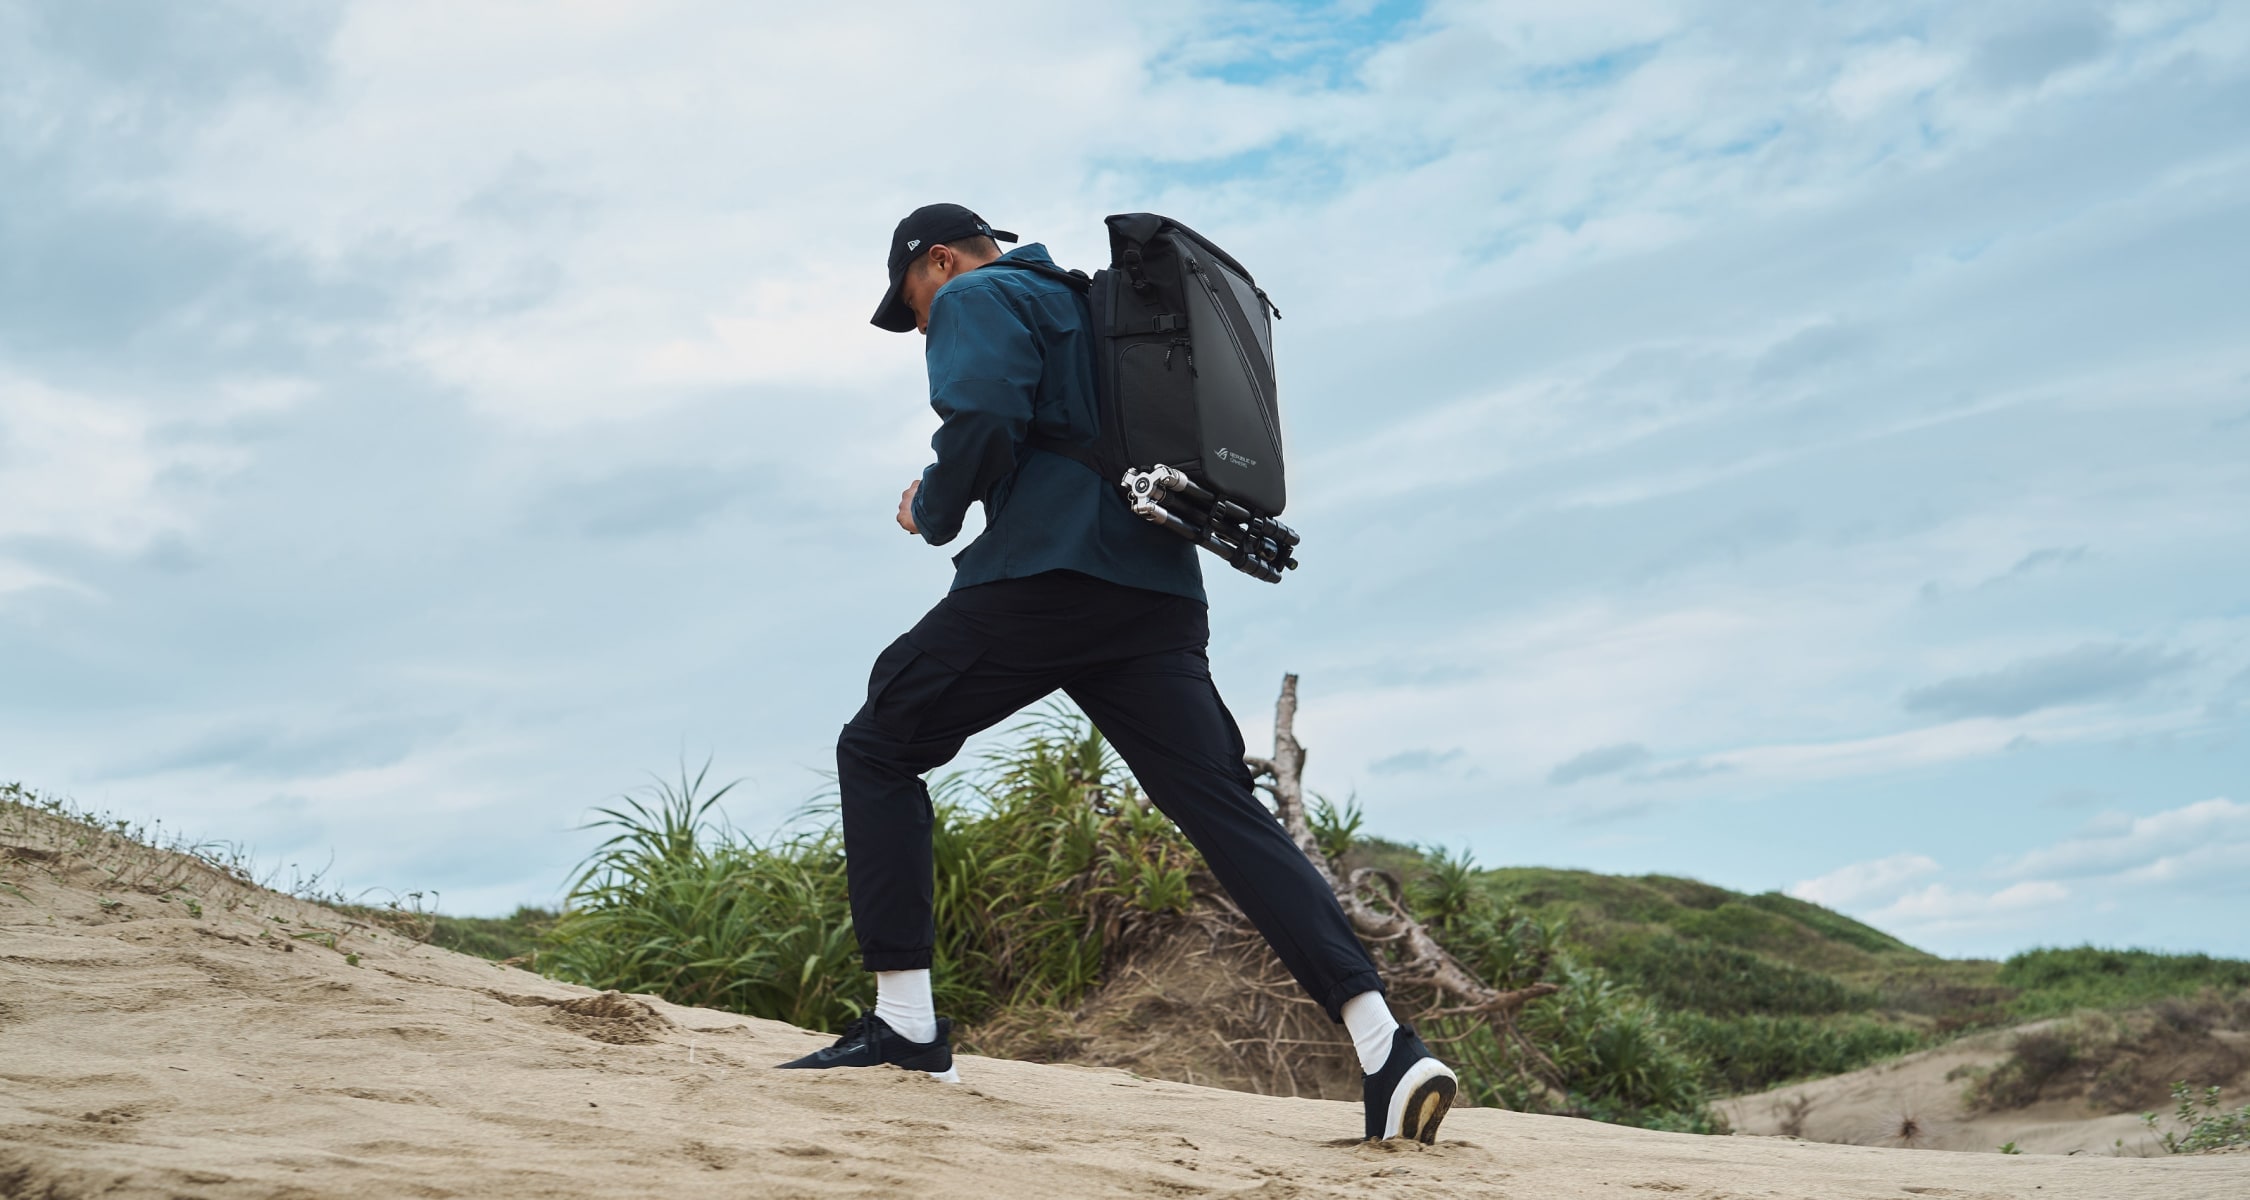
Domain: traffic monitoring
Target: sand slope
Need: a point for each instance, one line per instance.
(147, 1052)
(1869, 1107)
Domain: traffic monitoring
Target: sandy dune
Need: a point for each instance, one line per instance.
(145, 1051)
(1869, 1107)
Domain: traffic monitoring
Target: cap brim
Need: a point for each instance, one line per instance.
(893, 314)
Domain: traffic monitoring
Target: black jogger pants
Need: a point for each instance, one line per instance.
(1134, 661)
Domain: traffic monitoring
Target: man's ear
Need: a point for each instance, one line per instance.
(942, 260)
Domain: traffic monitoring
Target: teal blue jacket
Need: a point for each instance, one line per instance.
(1012, 352)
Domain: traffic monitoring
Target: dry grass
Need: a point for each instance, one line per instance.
(1204, 1002)
(130, 866)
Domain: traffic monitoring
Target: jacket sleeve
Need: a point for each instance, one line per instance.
(984, 373)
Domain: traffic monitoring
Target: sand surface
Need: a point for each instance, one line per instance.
(148, 1052)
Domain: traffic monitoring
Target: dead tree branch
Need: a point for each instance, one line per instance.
(1375, 901)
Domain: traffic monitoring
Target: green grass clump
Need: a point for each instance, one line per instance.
(1700, 975)
(2050, 982)
(1040, 863)
(677, 904)
(1754, 1052)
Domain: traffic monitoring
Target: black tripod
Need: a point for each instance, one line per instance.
(1255, 545)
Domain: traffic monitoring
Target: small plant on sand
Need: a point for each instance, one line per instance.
(1908, 1133)
(2202, 1124)
(2009, 1148)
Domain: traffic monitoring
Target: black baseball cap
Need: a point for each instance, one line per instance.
(923, 228)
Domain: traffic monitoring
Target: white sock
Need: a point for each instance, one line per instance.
(902, 999)
(1371, 1025)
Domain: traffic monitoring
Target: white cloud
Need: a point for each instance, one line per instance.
(1898, 70)
(96, 471)
(1940, 908)
(2164, 845)
(1860, 884)
(2114, 860)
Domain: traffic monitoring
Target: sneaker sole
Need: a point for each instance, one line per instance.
(1419, 1105)
(948, 1075)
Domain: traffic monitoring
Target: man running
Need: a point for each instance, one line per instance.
(1065, 588)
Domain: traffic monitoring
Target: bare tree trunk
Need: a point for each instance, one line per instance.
(1287, 770)
(1374, 901)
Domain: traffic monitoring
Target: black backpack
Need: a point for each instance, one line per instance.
(1190, 427)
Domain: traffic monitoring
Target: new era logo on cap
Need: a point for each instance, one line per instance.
(914, 244)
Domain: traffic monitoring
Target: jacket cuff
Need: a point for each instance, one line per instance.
(923, 525)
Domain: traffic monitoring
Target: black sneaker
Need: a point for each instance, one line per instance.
(1409, 1096)
(871, 1042)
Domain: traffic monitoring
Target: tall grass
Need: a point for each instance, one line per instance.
(677, 903)
(1044, 857)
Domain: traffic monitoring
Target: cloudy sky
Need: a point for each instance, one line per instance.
(1802, 449)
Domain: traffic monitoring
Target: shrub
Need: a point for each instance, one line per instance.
(1753, 1052)
(2036, 1059)
(1614, 1051)
(2203, 1125)
(1704, 976)
(2055, 981)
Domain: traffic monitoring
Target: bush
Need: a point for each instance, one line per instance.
(2056, 981)
(1751, 1053)
(2036, 1060)
(2205, 1125)
(1617, 1058)
(1704, 976)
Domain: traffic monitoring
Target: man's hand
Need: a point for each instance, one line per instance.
(906, 507)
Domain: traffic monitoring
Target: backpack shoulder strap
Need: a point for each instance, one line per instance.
(1077, 452)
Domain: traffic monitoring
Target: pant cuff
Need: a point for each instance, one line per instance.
(910, 960)
(1344, 989)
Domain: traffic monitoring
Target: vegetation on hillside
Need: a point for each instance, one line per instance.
(1051, 869)
(2120, 1059)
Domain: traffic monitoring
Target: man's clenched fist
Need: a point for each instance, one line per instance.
(906, 507)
